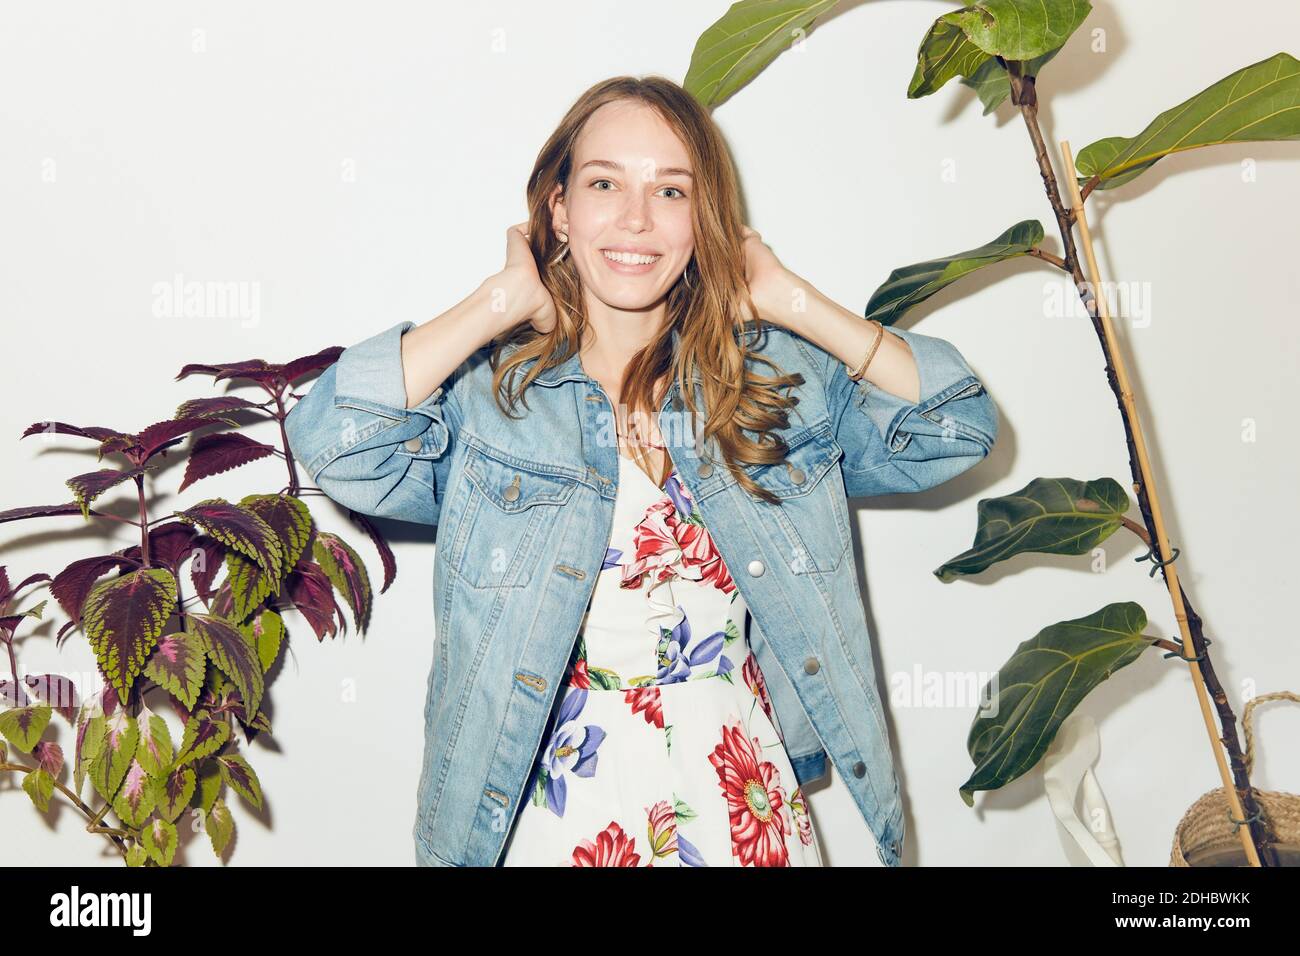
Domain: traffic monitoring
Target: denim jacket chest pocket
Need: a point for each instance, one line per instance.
(809, 523)
(507, 514)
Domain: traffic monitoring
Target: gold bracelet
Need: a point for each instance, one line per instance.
(857, 373)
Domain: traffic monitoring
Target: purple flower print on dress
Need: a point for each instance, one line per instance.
(611, 558)
(679, 496)
(678, 657)
(571, 749)
(687, 854)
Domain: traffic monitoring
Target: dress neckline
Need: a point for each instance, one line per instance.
(631, 463)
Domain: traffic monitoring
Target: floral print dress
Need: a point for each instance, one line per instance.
(664, 749)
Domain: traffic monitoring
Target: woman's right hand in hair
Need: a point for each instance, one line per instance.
(526, 299)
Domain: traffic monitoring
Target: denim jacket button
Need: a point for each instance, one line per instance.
(797, 476)
(704, 470)
(413, 445)
(812, 666)
(755, 568)
(859, 769)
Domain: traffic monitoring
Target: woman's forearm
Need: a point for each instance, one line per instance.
(432, 351)
(800, 307)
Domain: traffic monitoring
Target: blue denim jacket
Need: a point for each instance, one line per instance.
(524, 508)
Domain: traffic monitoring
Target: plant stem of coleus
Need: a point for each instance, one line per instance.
(1024, 95)
(116, 835)
(144, 522)
(280, 414)
(13, 664)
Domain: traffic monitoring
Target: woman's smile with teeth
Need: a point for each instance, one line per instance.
(628, 258)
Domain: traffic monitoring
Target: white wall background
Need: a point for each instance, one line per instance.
(129, 156)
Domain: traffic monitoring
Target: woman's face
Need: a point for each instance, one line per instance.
(627, 211)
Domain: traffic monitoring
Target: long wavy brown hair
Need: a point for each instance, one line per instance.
(704, 305)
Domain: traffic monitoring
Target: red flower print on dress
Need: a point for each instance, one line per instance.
(665, 545)
(802, 819)
(612, 847)
(579, 676)
(662, 828)
(646, 700)
(755, 799)
(754, 678)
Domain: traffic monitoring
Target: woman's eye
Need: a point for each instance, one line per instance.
(595, 184)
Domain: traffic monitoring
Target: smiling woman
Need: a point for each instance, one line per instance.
(650, 634)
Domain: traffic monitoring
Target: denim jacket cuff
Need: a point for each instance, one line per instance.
(370, 378)
(944, 376)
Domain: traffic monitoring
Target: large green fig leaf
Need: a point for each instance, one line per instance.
(1048, 515)
(1040, 686)
(967, 42)
(910, 285)
(1259, 102)
(750, 35)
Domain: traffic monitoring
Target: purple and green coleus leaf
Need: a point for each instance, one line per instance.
(208, 786)
(266, 633)
(116, 752)
(343, 566)
(174, 790)
(240, 529)
(73, 584)
(137, 447)
(43, 511)
(49, 756)
(39, 785)
(220, 825)
(92, 728)
(221, 452)
(8, 593)
(155, 751)
(170, 544)
(232, 653)
(237, 773)
(23, 726)
(123, 617)
(386, 557)
(86, 488)
(177, 665)
(270, 376)
(313, 595)
(135, 800)
(251, 584)
(203, 737)
(159, 839)
(218, 408)
(9, 622)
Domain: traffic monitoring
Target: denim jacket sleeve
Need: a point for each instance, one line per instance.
(892, 445)
(360, 443)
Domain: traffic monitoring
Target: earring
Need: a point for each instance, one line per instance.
(564, 249)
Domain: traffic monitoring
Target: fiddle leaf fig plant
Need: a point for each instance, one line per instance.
(998, 48)
(205, 655)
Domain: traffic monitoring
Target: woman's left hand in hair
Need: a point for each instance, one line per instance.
(771, 285)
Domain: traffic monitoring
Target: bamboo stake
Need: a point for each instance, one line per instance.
(1144, 464)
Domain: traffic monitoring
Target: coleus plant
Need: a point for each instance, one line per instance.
(998, 48)
(205, 655)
